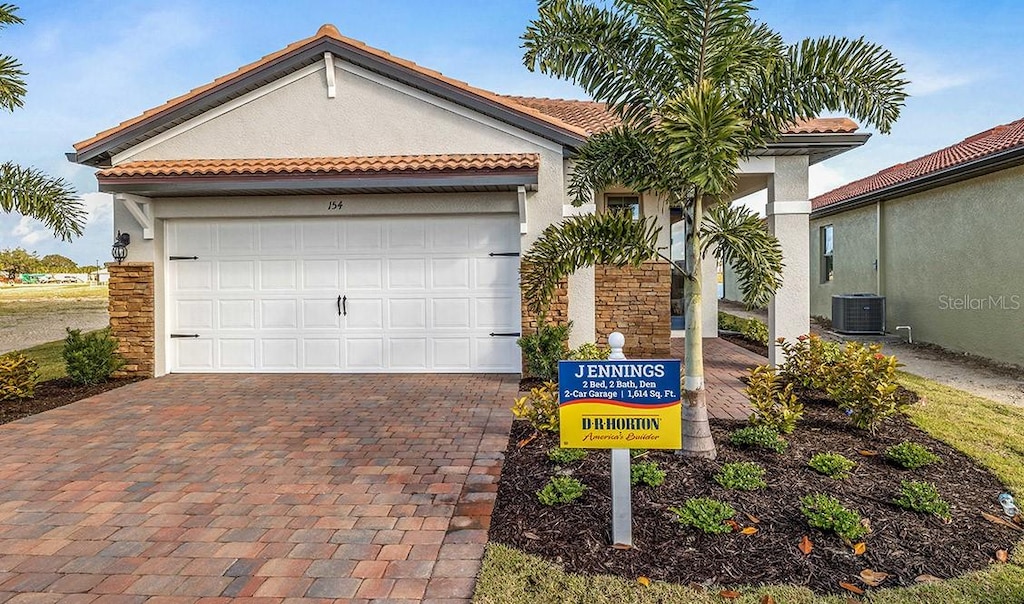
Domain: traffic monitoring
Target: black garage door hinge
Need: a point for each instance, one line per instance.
(184, 335)
(503, 254)
(511, 334)
(183, 258)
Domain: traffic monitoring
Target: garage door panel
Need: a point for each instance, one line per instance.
(236, 354)
(421, 294)
(319, 275)
(236, 238)
(236, 314)
(279, 314)
(278, 275)
(451, 313)
(364, 353)
(408, 353)
(364, 274)
(235, 275)
(364, 314)
(407, 273)
(280, 353)
(278, 237)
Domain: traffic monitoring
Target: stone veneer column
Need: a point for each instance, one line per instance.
(132, 317)
(635, 301)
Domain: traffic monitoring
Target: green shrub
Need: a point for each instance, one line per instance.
(544, 348)
(922, 497)
(589, 352)
(561, 489)
(774, 404)
(646, 472)
(864, 385)
(825, 512)
(564, 457)
(751, 329)
(764, 437)
(539, 407)
(832, 465)
(810, 361)
(91, 358)
(910, 455)
(18, 376)
(741, 476)
(706, 514)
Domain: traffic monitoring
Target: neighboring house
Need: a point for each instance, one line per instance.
(940, 238)
(333, 208)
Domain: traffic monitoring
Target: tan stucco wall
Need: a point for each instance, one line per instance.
(956, 245)
(853, 240)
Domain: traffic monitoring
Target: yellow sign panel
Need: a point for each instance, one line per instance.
(620, 404)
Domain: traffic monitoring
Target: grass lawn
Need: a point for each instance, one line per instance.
(989, 432)
(31, 299)
(51, 363)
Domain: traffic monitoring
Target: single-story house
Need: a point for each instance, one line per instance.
(333, 208)
(940, 238)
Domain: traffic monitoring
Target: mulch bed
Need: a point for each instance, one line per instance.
(742, 342)
(902, 543)
(52, 394)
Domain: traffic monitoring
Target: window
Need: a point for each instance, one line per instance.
(624, 203)
(827, 254)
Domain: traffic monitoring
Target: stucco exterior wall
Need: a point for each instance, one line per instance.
(853, 242)
(951, 265)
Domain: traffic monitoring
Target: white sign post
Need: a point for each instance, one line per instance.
(622, 490)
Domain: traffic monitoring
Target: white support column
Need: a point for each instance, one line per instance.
(709, 294)
(788, 212)
(581, 291)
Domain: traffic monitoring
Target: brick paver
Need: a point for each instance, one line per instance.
(724, 364)
(204, 488)
(189, 487)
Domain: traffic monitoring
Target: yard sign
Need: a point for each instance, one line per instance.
(619, 404)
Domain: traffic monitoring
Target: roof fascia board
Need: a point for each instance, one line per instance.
(298, 186)
(314, 52)
(980, 167)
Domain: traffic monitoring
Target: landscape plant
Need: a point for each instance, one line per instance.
(763, 437)
(773, 400)
(832, 465)
(922, 497)
(539, 407)
(18, 376)
(864, 384)
(564, 457)
(751, 329)
(697, 86)
(561, 489)
(810, 361)
(543, 349)
(646, 473)
(589, 352)
(827, 513)
(91, 358)
(741, 476)
(910, 455)
(705, 514)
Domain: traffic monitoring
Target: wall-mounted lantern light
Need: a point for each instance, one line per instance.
(120, 248)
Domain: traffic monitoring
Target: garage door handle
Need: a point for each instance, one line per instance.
(342, 305)
(512, 334)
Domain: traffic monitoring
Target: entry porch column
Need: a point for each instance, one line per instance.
(788, 211)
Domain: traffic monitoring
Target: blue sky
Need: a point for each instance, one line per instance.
(94, 64)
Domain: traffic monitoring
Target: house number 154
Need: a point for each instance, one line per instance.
(334, 205)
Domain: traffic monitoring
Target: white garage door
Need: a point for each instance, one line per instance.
(397, 294)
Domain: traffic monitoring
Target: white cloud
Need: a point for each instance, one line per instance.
(99, 206)
(30, 232)
(823, 178)
(924, 83)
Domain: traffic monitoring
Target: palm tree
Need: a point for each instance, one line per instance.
(28, 191)
(699, 85)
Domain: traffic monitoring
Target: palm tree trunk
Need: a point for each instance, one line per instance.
(697, 439)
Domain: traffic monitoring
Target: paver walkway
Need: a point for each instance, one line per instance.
(269, 486)
(724, 364)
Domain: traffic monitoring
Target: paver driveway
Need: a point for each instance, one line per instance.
(235, 486)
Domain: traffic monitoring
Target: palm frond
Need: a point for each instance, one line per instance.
(12, 78)
(579, 241)
(741, 240)
(602, 51)
(621, 156)
(52, 201)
